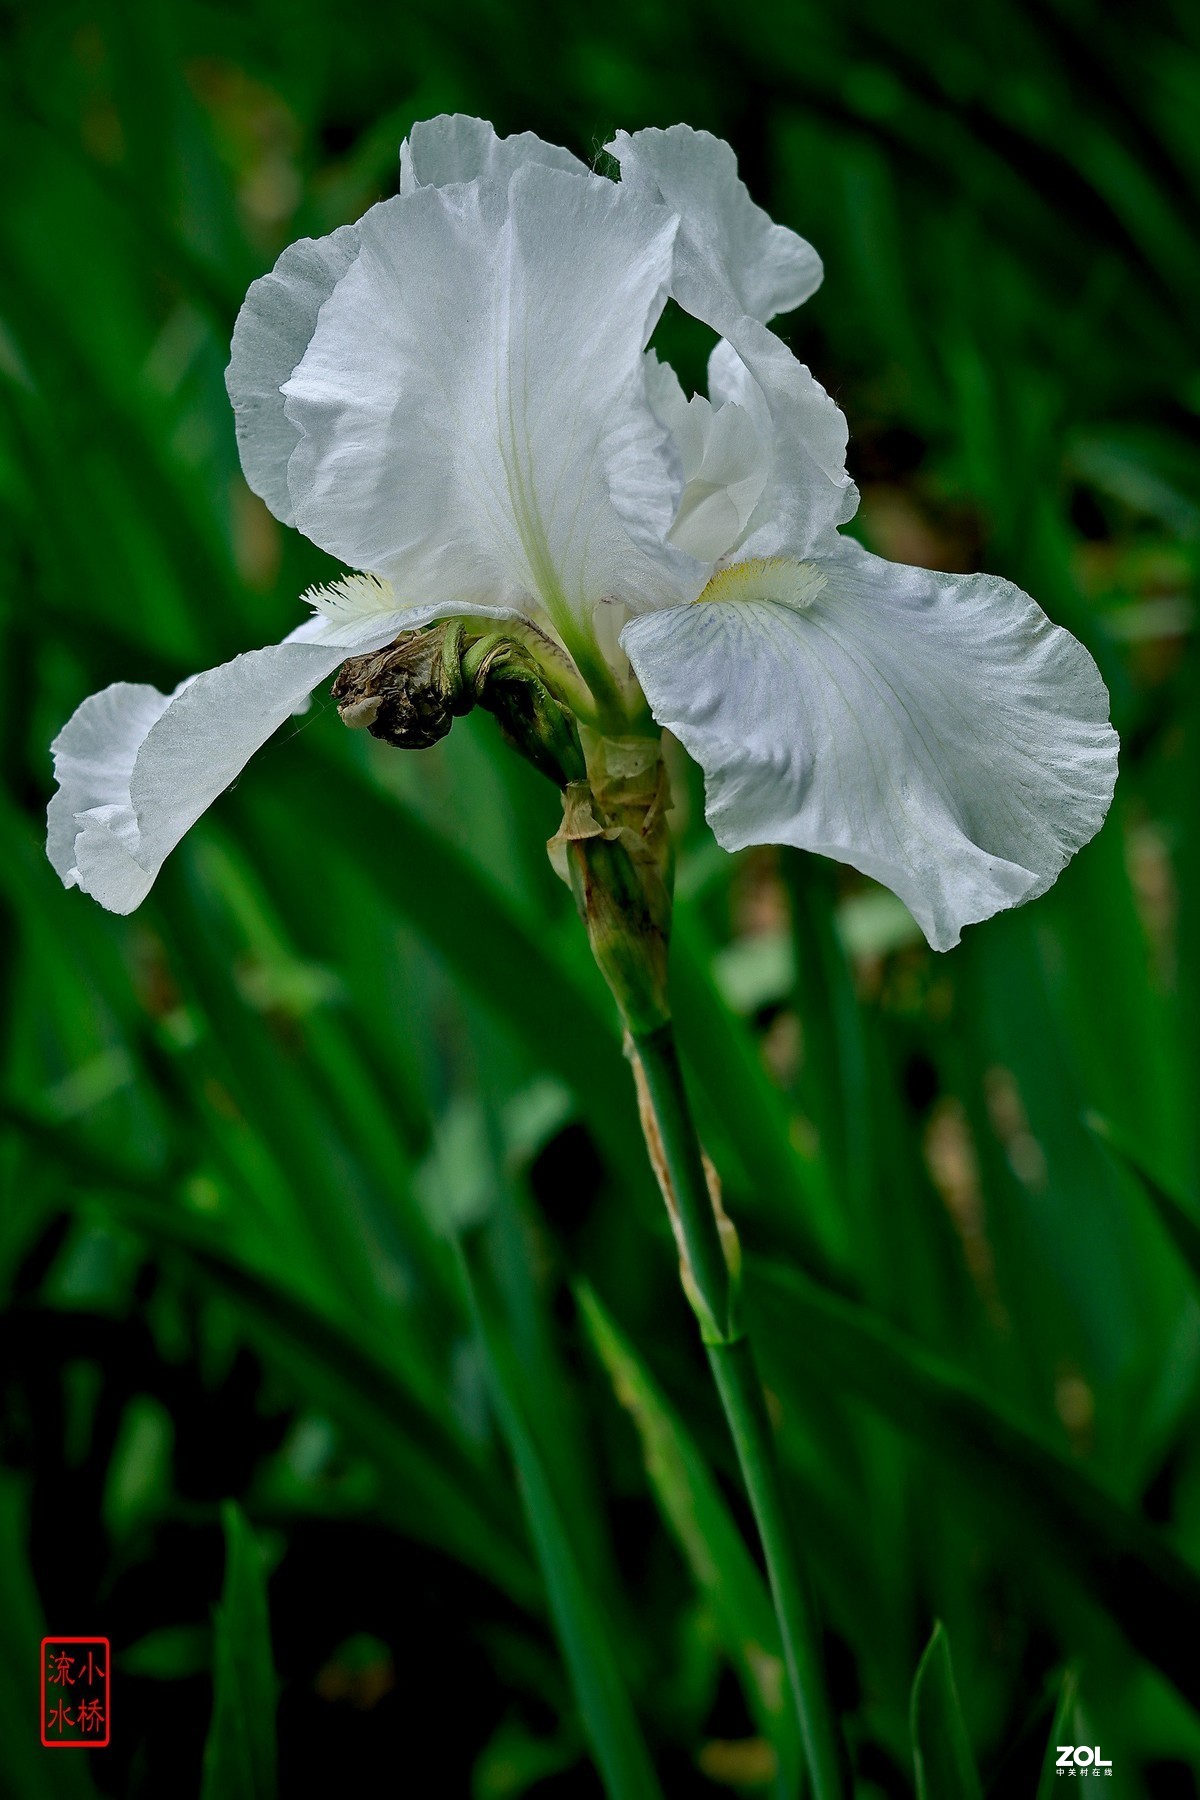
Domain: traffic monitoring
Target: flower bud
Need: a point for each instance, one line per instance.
(508, 682)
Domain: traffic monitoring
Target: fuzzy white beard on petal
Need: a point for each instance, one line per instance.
(351, 597)
(779, 579)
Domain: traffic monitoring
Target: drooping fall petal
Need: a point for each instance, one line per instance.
(935, 731)
(136, 768)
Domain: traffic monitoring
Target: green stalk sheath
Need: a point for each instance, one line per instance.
(675, 1151)
(693, 1217)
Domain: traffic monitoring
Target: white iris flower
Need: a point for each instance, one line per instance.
(455, 394)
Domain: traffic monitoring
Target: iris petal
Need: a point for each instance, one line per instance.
(767, 268)
(474, 398)
(136, 768)
(734, 269)
(935, 731)
(273, 330)
(455, 147)
(724, 462)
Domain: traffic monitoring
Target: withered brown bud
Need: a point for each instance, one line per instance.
(408, 694)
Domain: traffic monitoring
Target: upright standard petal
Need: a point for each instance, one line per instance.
(768, 268)
(475, 392)
(807, 493)
(456, 147)
(137, 768)
(935, 731)
(734, 269)
(273, 330)
(724, 463)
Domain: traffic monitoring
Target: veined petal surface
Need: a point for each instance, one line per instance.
(734, 269)
(455, 147)
(724, 458)
(935, 731)
(273, 330)
(767, 268)
(807, 493)
(94, 755)
(137, 768)
(474, 396)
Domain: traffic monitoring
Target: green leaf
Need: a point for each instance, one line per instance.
(432, 1483)
(239, 1757)
(609, 1718)
(433, 1486)
(1078, 1533)
(29, 1772)
(942, 1759)
(169, 1653)
(694, 1509)
(504, 959)
(1062, 1731)
(1176, 1219)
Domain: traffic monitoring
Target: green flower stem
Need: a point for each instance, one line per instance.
(702, 1254)
(741, 1392)
(706, 1255)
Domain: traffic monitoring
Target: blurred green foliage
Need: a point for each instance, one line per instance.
(323, 1185)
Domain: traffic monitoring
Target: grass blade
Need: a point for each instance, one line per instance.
(942, 1759)
(29, 1774)
(432, 1484)
(1110, 1555)
(1061, 1731)
(694, 1509)
(608, 1715)
(239, 1757)
(510, 967)
(1175, 1218)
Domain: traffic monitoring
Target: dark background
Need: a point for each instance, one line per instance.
(305, 1163)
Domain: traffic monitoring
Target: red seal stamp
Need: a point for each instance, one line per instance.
(76, 1691)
